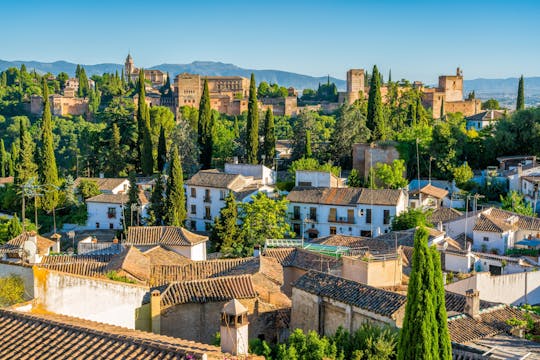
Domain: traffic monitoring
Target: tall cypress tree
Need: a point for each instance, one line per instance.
(520, 103)
(375, 117)
(236, 128)
(442, 109)
(307, 151)
(115, 160)
(445, 346)
(141, 118)
(3, 159)
(175, 202)
(389, 76)
(48, 172)
(131, 213)
(204, 128)
(84, 89)
(147, 158)
(225, 231)
(269, 148)
(156, 209)
(25, 167)
(420, 332)
(252, 124)
(162, 150)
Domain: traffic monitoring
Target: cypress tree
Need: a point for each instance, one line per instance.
(3, 159)
(419, 336)
(442, 109)
(141, 118)
(307, 151)
(445, 346)
(48, 172)
(204, 128)
(225, 231)
(132, 215)
(389, 76)
(13, 157)
(156, 209)
(175, 203)
(147, 159)
(412, 113)
(236, 128)
(84, 89)
(375, 119)
(252, 124)
(162, 150)
(25, 168)
(269, 148)
(14, 227)
(115, 162)
(419, 111)
(520, 103)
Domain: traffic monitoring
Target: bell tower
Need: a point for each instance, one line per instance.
(128, 68)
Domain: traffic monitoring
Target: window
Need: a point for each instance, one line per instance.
(486, 238)
(350, 216)
(111, 226)
(193, 225)
(111, 213)
(386, 217)
(368, 216)
(222, 194)
(313, 213)
(332, 215)
(296, 213)
(194, 209)
(207, 226)
(365, 233)
(193, 192)
(333, 230)
(296, 229)
(207, 195)
(207, 215)
(304, 183)
(97, 225)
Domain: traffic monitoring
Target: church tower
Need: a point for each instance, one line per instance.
(128, 68)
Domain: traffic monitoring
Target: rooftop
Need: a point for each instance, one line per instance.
(344, 196)
(15, 244)
(104, 184)
(163, 235)
(109, 199)
(431, 190)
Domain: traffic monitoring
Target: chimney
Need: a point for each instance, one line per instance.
(115, 240)
(56, 238)
(234, 328)
(235, 160)
(101, 175)
(94, 240)
(439, 226)
(155, 311)
(519, 170)
(256, 250)
(472, 303)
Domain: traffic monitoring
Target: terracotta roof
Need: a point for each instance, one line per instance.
(31, 336)
(109, 199)
(104, 184)
(218, 289)
(344, 196)
(164, 274)
(216, 179)
(15, 244)
(464, 329)
(160, 255)
(488, 115)
(353, 242)
(304, 259)
(405, 237)
(490, 224)
(443, 214)
(523, 222)
(456, 303)
(74, 259)
(431, 190)
(378, 301)
(132, 262)
(164, 235)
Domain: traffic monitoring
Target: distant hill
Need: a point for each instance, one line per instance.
(504, 90)
(210, 68)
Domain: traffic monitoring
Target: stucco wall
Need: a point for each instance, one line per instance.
(24, 272)
(106, 301)
(98, 213)
(373, 273)
(514, 289)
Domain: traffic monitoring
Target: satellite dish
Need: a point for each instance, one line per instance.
(29, 249)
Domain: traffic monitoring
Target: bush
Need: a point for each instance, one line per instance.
(11, 290)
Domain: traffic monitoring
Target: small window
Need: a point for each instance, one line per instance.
(111, 226)
(194, 209)
(193, 225)
(368, 216)
(111, 212)
(333, 230)
(222, 194)
(296, 213)
(97, 225)
(486, 238)
(304, 183)
(207, 215)
(386, 217)
(193, 192)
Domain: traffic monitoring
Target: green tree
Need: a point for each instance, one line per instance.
(375, 117)
(269, 147)
(162, 150)
(3, 159)
(147, 159)
(312, 164)
(307, 151)
(131, 217)
(410, 219)
(141, 118)
(520, 102)
(156, 210)
(25, 168)
(225, 235)
(391, 176)
(252, 125)
(115, 159)
(14, 227)
(48, 172)
(491, 104)
(463, 174)
(262, 219)
(88, 188)
(350, 129)
(445, 346)
(175, 202)
(354, 179)
(514, 201)
(205, 128)
(84, 89)
(420, 332)
(11, 290)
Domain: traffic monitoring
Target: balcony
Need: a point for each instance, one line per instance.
(341, 220)
(111, 215)
(207, 217)
(207, 199)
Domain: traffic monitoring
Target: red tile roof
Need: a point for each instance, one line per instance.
(163, 235)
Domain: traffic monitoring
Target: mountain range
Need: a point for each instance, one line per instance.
(503, 90)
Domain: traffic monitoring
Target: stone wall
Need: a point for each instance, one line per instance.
(364, 156)
(102, 300)
(24, 272)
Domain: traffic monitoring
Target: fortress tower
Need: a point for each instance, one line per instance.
(355, 84)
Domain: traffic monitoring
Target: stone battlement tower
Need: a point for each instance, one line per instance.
(355, 84)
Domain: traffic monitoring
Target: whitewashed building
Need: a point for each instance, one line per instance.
(107, 185)
(484, 119)
(105, 211)
(207, 190)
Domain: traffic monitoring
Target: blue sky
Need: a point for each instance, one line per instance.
(416, 39)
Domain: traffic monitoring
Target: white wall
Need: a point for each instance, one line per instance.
(316, 178)
(88, 298)
(266, 175)
(98, 213)
(513, 289)
(460, 226)
(24, 272)
(495, 241)
(457, 262)
(195, 253)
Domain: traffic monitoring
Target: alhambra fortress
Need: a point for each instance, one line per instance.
(229, 94)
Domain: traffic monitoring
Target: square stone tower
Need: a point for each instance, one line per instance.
(452, 86)
(355, 84)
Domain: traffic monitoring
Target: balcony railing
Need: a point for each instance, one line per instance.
(207, 217)
(207, 199)
(341, 220)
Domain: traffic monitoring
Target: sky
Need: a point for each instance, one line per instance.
(417, 40)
